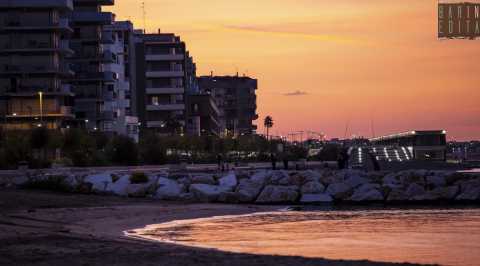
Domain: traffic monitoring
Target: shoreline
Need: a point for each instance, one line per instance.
(47, 228)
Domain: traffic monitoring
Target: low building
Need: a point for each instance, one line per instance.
(237, 102)
(203, 115)
(412, 145)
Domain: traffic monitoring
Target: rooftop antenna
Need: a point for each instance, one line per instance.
(346, 129)
(372, 127)
(144, 13)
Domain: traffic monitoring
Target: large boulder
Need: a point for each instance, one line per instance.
(310, 176)
(228, 197)
(99, 181)
(409, 177)
(333, 178)
(260, 177)
(392, 181)
(414, 190)
(355, 180)
(397, 195)
(229, 181)
(367, 192)
(316, 198)
(168, 189)
(339, 191)
(119, 185)
(138, 190)
(248, 190)
(278, 194)
(203, 179)
(436, 181)
(205, 192)
(312, 187)
(279, 177)
(19, 180)
(444, 193)
(471, 193)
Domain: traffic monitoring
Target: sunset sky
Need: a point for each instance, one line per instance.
(324, 64)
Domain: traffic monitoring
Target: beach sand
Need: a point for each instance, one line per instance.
(44, 228)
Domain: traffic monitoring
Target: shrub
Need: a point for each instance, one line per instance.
(138, 178)
(122, 151)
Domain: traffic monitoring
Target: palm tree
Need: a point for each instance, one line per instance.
(268, 123)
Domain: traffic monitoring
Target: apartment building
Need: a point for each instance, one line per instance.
(237, 102)
(33, 48)
(165, 72)
(118, 39)
(92, 84)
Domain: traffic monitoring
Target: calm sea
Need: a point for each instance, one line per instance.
(425, 235)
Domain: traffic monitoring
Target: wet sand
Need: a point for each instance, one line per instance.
(43, 228)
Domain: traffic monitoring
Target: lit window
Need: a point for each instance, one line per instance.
(155, 100)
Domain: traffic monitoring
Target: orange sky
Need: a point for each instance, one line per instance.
(353, 61)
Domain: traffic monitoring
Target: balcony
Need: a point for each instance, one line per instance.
(166, 107)
(165, 90)
(108, 57)
(97, 2)
(18, 25)
(7, 70)
(97, 76)
(57, 4)
(165, 74)
(93, 17)
(107, 38)
(34, 46)
(164, 57)
(63, 111)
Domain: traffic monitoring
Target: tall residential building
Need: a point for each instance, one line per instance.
(92, 83)
(236, 99)
(33, 48)
(164, 74)
(120, 40)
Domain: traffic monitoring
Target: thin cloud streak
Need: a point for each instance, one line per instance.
(296, 93)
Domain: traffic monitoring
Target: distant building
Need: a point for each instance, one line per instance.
(33, 47)
(203, 115)
(118, 39)
(236, 99)
(165, 73)
(412, 145)
(92, 84)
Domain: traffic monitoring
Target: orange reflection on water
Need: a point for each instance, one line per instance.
(447, 237)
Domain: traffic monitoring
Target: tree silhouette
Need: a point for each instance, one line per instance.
(268, 123)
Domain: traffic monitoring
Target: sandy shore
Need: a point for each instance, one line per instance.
(42, 228)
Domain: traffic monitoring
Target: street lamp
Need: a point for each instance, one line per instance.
(40, 98)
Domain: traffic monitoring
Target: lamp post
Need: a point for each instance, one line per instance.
(40, 98)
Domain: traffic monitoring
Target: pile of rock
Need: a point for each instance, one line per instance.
(274, 187)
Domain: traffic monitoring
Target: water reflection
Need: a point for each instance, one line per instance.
(447, 237)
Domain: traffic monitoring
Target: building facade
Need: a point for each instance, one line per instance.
(237, 102)
(120, 43)
(164, 74)
(203, 119)
(33, 69)
(92, 84)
